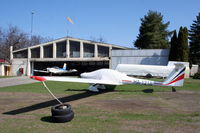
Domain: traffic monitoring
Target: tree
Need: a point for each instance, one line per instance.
(179, 50)
(182, 51)
(185, 56)
(13, 37)
(1, 36)
(37, 39)
(101, 39)
(153, 32)
(194, 37)
(18, 39)
(1, 42)
(173, 47)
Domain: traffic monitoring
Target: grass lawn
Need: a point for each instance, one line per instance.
(62, 87)
(6, 76)
(128, 109)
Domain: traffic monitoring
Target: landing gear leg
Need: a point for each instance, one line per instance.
(93, 88)
(173, 89)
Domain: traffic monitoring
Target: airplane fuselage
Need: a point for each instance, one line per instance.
(56, 70)
(115, 77)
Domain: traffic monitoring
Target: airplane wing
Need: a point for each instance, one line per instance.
(42, 71)
(78, 80)
(66, 71)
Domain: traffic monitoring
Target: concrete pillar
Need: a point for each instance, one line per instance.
(11, 52)
(41, 52)
(54, 50)
(29, 53)
(81, 49)
(32, 69)
(28, 69)
(67, 48)
(110, 54)
(110, 51)
(95, 51)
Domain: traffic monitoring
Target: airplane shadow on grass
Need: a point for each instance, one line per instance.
(149, 90)
(53, 102)
(74, 97)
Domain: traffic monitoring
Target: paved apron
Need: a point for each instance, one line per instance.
(15, 81)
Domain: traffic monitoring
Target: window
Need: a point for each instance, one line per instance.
(103, 51)
(48, 51)
(21, 54)
(88, 50)
(74, 49)
(61, 49)
(35, 53)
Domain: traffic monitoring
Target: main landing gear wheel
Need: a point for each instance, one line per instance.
(62, 113)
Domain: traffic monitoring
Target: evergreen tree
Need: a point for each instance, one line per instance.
(185, 56)
(153, 32)
(194, 36)
(182, 45)
(179, 50)
(173, 48)
(179, 44)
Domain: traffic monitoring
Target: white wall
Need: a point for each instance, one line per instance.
(16, 64)
(144, 57)
(1, 70)
(194, 69)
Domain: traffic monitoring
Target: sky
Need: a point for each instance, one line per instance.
(116, 21)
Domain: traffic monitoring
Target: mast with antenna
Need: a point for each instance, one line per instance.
(32, 13)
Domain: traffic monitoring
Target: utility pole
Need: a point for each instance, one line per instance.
(32, 13)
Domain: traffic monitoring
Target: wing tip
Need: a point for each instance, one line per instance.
(38, 78)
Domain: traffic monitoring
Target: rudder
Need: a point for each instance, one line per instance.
(176, 77)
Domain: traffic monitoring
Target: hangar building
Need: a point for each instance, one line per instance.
(83, 55)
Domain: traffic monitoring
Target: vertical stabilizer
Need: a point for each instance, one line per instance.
(65, 66)
(176, 77)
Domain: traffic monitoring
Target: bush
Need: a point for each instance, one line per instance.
(196, 76)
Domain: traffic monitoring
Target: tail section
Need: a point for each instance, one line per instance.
(176, 77)
(65, 66)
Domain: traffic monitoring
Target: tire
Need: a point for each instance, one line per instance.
(63, 118)
(57, 111)
(149, 76)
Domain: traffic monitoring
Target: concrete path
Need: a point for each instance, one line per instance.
(15, 81)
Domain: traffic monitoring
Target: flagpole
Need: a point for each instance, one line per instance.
(70, 20)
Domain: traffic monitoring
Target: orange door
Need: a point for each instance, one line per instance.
(6, 70)
(8, 73)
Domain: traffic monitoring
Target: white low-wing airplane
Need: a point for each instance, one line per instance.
(105, 78)
(57, 70)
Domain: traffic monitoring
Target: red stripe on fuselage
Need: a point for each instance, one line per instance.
(126, 81)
